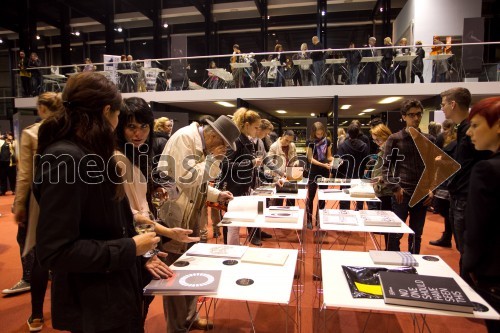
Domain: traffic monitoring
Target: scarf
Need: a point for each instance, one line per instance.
(320, 148)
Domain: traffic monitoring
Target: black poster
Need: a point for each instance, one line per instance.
(472, 55)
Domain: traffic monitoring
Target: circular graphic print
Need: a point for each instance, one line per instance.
(196, 280)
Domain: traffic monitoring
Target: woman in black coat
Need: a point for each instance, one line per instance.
(85, 233)
(481, 245)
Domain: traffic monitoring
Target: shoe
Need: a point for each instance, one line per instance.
(256, 242)
(20, 287)
(202, 324)
(35, 325)
(216, 233)
(265, 235)
(441, 242)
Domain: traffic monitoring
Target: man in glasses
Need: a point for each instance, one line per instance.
(455, 105)
(402, 170)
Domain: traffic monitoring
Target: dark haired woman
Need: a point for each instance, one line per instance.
(85, 233)
(481, 246)
(134, 160)
(319, 156)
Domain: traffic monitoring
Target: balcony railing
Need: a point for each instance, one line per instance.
(348, 66)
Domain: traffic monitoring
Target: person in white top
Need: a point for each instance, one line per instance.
(134, 161)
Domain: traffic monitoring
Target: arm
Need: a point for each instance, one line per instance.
(59, 243)
(24, 175)
(312, 160)
(181, 161)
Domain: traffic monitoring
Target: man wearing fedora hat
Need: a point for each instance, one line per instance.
(192, 156)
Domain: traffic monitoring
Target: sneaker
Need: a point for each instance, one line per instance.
(202, 324)
(20, 287)
(35, 325)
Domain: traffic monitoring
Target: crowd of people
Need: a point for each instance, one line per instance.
(311, 65)
(125, 171)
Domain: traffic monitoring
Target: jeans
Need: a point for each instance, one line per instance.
(28, 260)
(318, 70)
(458, 205)
(417, 220)
(354, 74)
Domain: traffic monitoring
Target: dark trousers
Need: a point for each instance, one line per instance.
(401, 74)
(443, 208)
(7, 173)
(491, 294)
(26, 83)
(420, 77)
(312, 187)
(458, 205)
(39, 281)
(417, 220)
(370, 73)
(28, 260)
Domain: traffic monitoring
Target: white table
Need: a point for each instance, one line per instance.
(271, 284)
(329, 195)
(334, 61)
(402, 229)
(300, 195)
(336, 292)
(343, 182)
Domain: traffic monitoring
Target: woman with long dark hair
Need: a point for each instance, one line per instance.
(319, 156)
(134, 160)
(85, 233)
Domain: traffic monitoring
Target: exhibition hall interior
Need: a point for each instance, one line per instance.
(341, 67)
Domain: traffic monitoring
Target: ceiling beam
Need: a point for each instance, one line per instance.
(200, 6)
(93, 14)
(145, 7)
(374, 11)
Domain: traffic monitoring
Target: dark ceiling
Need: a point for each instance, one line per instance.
(291, 22)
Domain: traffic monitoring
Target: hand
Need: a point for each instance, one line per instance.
(145, 242)
(219, 152)
(181, 235)
(398, 195)
(157, 268)
(225, 196)
(281, 181)
(327, 165)
(428, 200)
(257, 162)
(20, 216)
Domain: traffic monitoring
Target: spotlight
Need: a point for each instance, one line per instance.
(165, 25)
(77, 33)
(38, 37)
(1, 41)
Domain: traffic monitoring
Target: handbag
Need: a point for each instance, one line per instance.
(287, 187)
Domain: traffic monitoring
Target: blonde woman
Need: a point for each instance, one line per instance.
(26, 212)
(239, 170)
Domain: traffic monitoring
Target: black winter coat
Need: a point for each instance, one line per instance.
(83, 236)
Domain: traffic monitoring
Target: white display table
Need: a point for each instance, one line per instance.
(336, 292)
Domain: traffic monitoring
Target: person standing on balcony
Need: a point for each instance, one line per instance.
(317, 56)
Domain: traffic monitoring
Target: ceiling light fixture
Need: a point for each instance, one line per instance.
(38, 37)
(1, 41)
(361, 114)
(368, 110)
(297, 123)
(280, 111)
(313, 114)
(345, 107)
(389, 100)
(165, 25)
(226, 104)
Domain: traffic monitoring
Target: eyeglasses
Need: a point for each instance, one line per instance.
(141, 127)
(414, 115)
